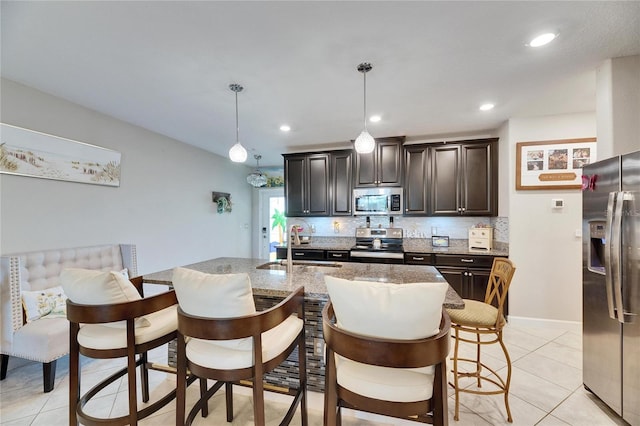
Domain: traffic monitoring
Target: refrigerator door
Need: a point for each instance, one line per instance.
(630, 259)
(602, 340)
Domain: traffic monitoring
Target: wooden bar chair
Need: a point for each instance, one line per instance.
(109, 318)
(222, 337)
(386, 354)
(483, 320)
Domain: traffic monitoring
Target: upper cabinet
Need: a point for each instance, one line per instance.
(341, 183)
(464, 178)
(416, 180)
(306, 184)
(381, 167)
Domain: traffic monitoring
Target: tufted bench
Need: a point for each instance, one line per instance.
(47, 339)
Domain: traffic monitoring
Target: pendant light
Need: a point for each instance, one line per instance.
(237, 153)
(365, 143)
(257, 178)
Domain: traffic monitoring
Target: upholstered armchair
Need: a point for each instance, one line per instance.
(44, 336)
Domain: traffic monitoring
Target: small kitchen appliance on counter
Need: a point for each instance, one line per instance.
(378, 245)
(480, 238)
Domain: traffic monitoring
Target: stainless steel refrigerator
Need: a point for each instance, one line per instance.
(611, 283)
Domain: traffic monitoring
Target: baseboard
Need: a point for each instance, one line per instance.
(574, 326)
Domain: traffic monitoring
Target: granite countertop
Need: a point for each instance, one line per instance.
(410, 245)
(267, 282)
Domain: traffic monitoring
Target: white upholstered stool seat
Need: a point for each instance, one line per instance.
(231, 355)
(114, 335)
(385, 383)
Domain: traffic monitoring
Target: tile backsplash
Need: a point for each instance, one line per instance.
(414, 227)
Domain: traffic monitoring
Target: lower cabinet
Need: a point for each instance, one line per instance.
(338, 255)
(300, 254)
(468, 275)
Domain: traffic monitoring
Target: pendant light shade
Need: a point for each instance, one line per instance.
(257, 178)
(237, 153)
(364, 143)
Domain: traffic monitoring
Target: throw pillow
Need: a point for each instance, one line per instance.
(90, 287)
(47, 303)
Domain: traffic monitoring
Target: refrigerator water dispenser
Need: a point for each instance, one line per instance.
(597, 243)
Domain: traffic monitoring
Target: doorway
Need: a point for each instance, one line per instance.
(272, 222)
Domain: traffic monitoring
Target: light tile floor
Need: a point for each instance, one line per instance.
(546, 390)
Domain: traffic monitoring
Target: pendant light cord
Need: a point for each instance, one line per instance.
(237, 124)
(365, 101)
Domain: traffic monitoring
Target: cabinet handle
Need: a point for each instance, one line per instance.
(336, 255)
(459, 209)
(417, 258)
(298, 254)
(464, 209)
(466, 260)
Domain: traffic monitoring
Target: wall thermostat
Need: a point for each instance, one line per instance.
(557, 203)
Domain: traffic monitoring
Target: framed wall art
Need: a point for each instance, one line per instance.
(555, 164)
(26, 152)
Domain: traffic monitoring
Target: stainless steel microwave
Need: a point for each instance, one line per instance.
(377, 201)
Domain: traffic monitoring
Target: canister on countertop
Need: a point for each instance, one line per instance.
(480, 238)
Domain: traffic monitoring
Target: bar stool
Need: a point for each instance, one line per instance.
(483, 319)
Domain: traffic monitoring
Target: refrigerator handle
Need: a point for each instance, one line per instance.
(608, 255)
(616, 249)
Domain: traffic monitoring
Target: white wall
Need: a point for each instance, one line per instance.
(163, 204)
(542, 241)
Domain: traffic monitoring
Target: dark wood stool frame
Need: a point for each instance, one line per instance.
(96, 314)
(236, 328)
(386, 353)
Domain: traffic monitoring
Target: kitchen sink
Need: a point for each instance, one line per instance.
(300, 266)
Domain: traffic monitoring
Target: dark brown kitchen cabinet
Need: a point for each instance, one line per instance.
(338, 255)
(418, 258)
(464, 178)
(382, 166)
(468, 275)
(306, 184)
(341, 183)
(416, 180)
(300, 253)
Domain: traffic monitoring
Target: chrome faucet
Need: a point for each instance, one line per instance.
(296, 240)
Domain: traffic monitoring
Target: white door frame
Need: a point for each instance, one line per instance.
(264, 221)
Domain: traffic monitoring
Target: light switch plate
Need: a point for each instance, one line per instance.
(557, 203)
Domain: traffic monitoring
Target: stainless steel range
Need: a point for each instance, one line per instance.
(378, 245)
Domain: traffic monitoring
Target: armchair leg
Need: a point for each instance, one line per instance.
(5, 364)
(144, 378)
(49, 375)
(228, 392)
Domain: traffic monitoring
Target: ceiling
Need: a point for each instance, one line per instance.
(167, 65)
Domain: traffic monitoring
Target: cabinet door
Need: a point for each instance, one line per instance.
(416, 168)
(479, 185)
(479, 281)
(389, 162)
(445, 185)
(295, 182)
(457, 279)
(318, 185)
(383, 166)
(341, 183)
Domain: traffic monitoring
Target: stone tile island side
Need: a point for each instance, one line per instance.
(271, 286)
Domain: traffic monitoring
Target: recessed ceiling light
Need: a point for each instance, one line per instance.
(542, 39)
(285, 128)
(486, 107)
(375, 118)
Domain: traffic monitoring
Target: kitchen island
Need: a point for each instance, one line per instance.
(272, 285)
